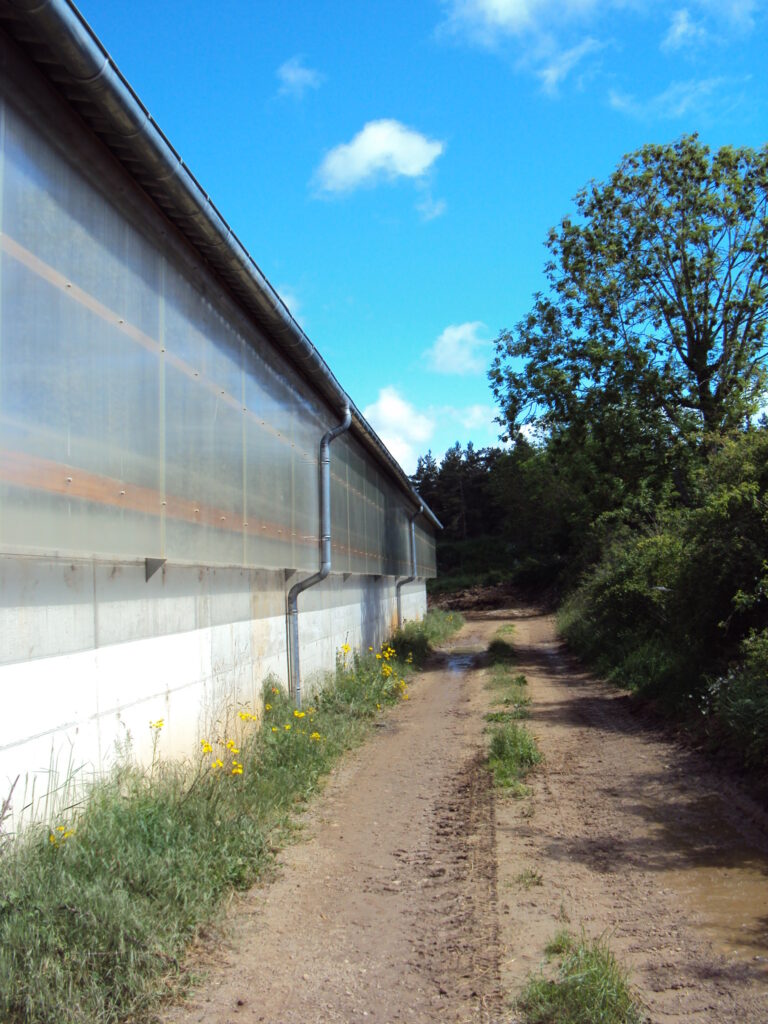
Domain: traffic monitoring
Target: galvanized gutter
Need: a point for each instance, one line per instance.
(60, 42)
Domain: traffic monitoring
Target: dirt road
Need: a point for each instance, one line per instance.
(416, 894)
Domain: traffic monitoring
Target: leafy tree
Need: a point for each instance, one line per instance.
(653, 326)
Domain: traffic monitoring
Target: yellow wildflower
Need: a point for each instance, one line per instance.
(315, 736)
(64, 833)
(218, 763)
(287, 726)
(298, 714)
(267, 707)
(378, 657)
(237, 768)
(274, 728)
(158, 724)
(232, 748)
(206, 746)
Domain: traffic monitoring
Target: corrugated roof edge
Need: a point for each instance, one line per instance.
(63, 45)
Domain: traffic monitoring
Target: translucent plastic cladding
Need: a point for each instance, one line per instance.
(141, 415)
(369, 520)
(425, 551)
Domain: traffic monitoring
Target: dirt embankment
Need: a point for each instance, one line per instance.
(416, 894)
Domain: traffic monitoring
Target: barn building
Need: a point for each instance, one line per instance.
(189, 501)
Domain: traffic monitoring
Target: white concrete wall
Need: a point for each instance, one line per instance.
(91, 653)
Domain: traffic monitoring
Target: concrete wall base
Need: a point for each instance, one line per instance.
(92, 652)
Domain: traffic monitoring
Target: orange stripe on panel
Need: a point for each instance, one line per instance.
(38, 474)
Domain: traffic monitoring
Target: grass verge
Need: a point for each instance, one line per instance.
(590, 987)
(96, 911)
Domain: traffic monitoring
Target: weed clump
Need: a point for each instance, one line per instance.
(509, 687)
(512, 754)
(590, 987)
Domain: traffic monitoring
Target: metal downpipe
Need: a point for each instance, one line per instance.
(294, 671)
(409, 579)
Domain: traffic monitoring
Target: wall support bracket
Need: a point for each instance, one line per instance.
(151, 565)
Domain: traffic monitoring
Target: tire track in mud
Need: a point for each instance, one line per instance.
(457, 944)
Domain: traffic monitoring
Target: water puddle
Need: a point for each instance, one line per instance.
(725, 881)
(460, 661)
(731, 905)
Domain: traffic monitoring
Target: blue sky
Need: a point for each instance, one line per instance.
(394, 168)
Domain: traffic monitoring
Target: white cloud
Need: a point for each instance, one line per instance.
(382, 150)
(459, 350)
(476, 417)
(487, 21)
(402, 428)
(739, 13)
(683, 32)
(680, 99)
(533, 27)
(558, 67)
(475, 422)
(295, 78)
(545, 38)
(430, 208)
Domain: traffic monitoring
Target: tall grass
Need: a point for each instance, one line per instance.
(590, 987)
(96, 912)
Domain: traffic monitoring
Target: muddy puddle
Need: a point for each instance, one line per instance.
(731, 906)
(725, 882)
(460, 661)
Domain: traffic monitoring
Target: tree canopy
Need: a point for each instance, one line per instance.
(643, 498)
(653, 323)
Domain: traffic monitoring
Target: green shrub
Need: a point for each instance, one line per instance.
(738, 702)
(677, 610)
